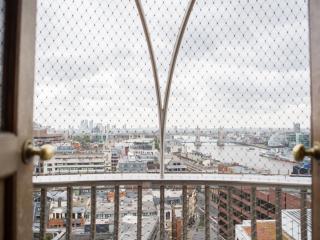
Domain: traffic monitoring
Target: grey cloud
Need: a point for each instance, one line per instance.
(237, 64)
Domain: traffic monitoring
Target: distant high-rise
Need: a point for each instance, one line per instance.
(220, 141)
(197, 142)
(296, 127)
(84, 125)
(91, 125)
(303, 138)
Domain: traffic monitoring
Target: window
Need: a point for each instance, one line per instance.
(239, 96)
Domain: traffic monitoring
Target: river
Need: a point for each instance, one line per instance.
(242, 155)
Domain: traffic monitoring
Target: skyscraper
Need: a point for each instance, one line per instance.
(296, 127)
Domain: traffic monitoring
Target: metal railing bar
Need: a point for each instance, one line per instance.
(178, 179)
(253, 213)
(93, 213)
(139, 213)
(229, 211)
(174, 223)
(116, 212)
(303, 215)
(278, 214)
(207, 212)
(230, 228)
(69, 213)
(43, 205)
(162, 233)
(184, 211)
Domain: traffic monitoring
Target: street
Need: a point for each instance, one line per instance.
(197, 231)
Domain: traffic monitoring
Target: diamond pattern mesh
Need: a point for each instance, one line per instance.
(92, 63)
(243, 65)
(240, 91)
(239, 101)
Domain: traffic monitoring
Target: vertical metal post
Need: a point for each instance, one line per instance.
(173, 223)
(207, 212)
(303, 215)
(162, 235)
(69, 213)
(162, 142)
(116, 213)
(229, 215)
(278, 214)
(43, 215)
(185, 211)
(93, 213)
(139, 213)
(253, 213)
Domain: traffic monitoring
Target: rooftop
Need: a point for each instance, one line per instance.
(129, 227)
(266, 230)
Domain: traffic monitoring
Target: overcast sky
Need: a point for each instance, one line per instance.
(241, 63)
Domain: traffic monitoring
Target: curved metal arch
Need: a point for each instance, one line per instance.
(162, 109)
(171, 71)
(155, 77)
(175, 55)
(151, 53)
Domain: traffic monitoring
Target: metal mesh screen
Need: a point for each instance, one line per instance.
(92, 65)
(238, 99)
(243, 65)
(238, 102)
(164, 19)
(241, 90)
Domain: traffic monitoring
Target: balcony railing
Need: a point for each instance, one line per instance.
(282, 192)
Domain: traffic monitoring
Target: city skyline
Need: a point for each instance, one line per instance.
(239, 74)
(105, 128)
(238, 103)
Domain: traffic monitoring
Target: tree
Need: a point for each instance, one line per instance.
(84, 140)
